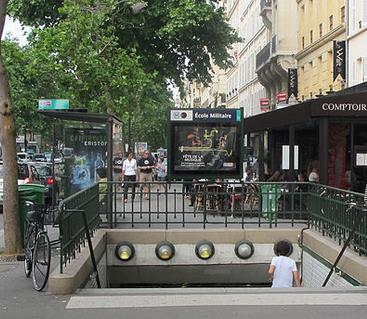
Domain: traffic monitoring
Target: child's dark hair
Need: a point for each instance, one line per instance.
(283, 248)
(102, 172)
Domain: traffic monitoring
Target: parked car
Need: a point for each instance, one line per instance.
(23, 178)
(44, 177)
(39, 157)
(35, 173)
(22, 156)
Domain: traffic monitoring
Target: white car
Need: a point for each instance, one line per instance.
(24, 177)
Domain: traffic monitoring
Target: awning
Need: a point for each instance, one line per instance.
(352, 105)
(81, 116)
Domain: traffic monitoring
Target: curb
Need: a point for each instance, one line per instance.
(11, 258)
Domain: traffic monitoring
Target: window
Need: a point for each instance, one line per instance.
(342, 14)
(319, 62)
(331, 22)
(364, 69)
(311, 36)
(320, 30)
(353, 15)
(303, 42)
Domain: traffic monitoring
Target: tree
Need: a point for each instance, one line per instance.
(80, 59)
(177, 39)
(13, 239)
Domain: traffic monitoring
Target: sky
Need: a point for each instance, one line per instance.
(14, 29)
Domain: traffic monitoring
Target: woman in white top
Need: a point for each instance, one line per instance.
(129, 168)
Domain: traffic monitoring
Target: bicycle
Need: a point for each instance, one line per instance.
(37, 247)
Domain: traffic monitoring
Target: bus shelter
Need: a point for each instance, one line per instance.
(89, 141)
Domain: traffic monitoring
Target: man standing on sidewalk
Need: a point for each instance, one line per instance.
(146, 165)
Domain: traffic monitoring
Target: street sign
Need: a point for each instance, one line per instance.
(53, 104)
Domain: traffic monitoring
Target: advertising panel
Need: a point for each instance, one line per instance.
(89, 149)
(206, 143)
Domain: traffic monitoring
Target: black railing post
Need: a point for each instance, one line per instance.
(91, 251)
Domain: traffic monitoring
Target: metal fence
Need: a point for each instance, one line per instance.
(213, 205)
(336, 213)
(207, 204)
(71, 223)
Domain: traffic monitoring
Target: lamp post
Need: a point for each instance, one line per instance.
(135, 9)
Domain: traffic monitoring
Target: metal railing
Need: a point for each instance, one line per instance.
(266, 52)
(207, 204)
(212, 205)
(265, 4)
(335, 212)
(71, 223)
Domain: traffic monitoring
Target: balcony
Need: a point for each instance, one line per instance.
(265, 4)
(265, 12)
(265, 54)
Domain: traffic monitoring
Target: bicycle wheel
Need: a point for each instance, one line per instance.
(41, 261)
(28, 250)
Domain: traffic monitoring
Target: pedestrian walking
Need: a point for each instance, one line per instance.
(283, 269)
(146, 165)
(129, 168)
(161, 170)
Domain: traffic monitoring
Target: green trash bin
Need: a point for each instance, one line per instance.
(34, 193)
(270, 194)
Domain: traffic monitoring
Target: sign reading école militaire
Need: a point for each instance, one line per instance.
(206, 115)
(205, 143)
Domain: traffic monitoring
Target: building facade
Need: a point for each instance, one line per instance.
(321, 22)
(357, 40)
(277, 56)
(243, 87)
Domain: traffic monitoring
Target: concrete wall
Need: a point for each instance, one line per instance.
(351, 268)
(315, 272)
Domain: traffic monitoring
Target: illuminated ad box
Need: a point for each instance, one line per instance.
(205, 143)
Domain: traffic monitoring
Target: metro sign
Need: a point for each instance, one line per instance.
(53, 104)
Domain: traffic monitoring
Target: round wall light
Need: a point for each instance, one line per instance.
(244, 249)
(165, 250)
(124, 251)
(204, 249)
(283, 248)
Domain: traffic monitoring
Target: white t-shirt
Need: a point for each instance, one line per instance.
(129, 167)
(283, 274)
(313, 177)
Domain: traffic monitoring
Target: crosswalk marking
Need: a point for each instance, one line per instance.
(180, 300)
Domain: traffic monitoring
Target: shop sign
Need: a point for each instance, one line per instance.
(281, 97)
(292, 83)
(339, 60)
(348, 105)
(264, 104)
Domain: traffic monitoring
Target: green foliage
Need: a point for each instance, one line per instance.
(25, 86)
(99, 55)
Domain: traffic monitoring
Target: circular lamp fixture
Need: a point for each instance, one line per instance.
(204, 249)
(165, 250)
(283, 248)
(124, 251)
(244, 249)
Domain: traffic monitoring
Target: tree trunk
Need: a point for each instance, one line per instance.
(12, 234)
